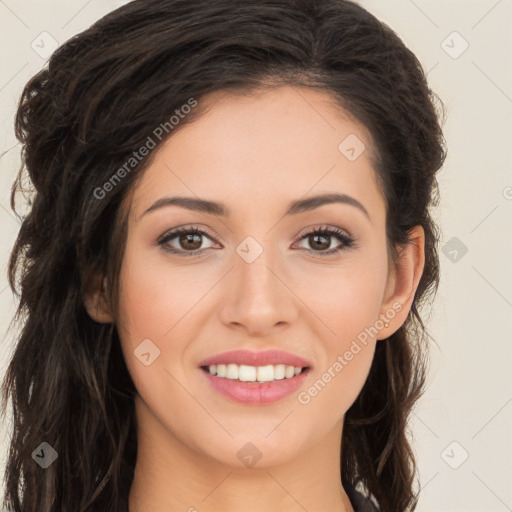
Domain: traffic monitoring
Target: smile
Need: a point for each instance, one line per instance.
(245, 373)
(255, 377)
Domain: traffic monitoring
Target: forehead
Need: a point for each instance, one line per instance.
(261, 148)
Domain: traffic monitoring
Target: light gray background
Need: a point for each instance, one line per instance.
(468, 406)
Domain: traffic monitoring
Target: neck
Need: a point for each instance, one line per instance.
(170, 475)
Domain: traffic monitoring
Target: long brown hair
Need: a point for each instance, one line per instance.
(101, 95)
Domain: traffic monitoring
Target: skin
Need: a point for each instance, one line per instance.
(256, 153)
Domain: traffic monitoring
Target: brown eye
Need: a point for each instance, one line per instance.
(320, 240)
(191, 241)
(184, 241)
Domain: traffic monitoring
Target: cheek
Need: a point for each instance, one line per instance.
(340, 377)
(148, 310)
(153, 296)
(335, 389)
(347, 300)
(156, 303)
(348, 303)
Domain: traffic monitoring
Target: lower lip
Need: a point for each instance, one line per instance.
(256, 393)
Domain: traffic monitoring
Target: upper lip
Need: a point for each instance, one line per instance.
(250, 358)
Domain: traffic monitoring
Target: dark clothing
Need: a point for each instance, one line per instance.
(359, 502)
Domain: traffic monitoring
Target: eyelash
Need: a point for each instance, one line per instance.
(347, 241)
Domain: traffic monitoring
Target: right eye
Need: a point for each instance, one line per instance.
(188, 240)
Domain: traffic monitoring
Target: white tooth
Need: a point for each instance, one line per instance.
(232, 371)
(247, 373)
(265, 373)
(279, 370)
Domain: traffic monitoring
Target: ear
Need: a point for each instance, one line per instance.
(402, 285)
(95, 300)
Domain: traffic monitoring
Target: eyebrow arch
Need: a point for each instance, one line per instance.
(294, 208)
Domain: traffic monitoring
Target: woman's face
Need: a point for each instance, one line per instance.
(257, 280)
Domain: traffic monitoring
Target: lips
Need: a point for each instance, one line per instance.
(249, 358)
(256, 393)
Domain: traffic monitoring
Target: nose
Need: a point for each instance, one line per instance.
(257, 297)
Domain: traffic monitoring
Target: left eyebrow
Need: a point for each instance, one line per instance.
(218, 208)
(310, 203)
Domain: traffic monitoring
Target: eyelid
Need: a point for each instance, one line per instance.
(322, 227)
(186, 227)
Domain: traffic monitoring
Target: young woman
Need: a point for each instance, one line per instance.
(220, 272)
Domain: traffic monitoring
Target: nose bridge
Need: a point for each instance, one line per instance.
(257, 296)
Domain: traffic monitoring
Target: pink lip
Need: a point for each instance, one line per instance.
(256, 393)
(249, 358)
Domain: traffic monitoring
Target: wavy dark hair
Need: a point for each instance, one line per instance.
(95, 102)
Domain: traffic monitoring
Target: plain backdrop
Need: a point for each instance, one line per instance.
(461, 427)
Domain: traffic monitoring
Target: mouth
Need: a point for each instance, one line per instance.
(255, 378)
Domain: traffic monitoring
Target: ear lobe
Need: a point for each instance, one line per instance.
(402, 286)
(95, 300)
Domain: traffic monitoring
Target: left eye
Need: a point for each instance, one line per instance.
(317, 237)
